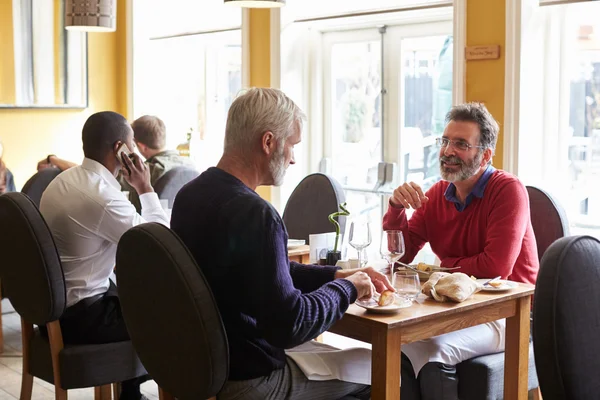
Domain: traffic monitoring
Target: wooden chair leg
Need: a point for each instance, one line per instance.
(103, 392)
(56, 346)
(164, 395)
(116, 390)
(26, 378)
(536, 394)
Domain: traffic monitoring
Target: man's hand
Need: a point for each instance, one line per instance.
(363, 285)
(136, 173)
(409, 195)
(379, 280)
(43, 164)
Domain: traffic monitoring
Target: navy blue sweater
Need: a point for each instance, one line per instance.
(267, 303)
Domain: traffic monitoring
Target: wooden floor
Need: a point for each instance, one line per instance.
(11, 366)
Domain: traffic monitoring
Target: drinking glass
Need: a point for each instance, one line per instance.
(359, 237)
(407, 285)
(392, 248)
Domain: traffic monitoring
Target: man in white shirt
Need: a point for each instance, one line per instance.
(87, 214)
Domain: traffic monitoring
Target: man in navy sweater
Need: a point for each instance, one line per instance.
(267, 303)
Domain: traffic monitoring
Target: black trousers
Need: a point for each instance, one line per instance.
(99, 320)
(95, 321)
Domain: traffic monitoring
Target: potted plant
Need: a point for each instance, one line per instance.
(333, 256)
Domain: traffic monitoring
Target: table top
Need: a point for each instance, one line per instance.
(429, 309)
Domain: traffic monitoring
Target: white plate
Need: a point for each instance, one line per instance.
(293, 243)
(372, 305)
(506, 285)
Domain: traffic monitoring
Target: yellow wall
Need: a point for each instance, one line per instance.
(31, 134)
(260, 60)
(485, 79)
(7, 61)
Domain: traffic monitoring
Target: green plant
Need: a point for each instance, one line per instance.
(344, 213)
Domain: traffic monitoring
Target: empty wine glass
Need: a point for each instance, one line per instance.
(392, 247)
(407, 285)
(359, 237)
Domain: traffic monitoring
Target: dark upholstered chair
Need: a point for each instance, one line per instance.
(548, 218)
(33, 280)
(171, 313)
(36, 185)
(310, 204)
(566, 320)
(168, 185)
(549, 223)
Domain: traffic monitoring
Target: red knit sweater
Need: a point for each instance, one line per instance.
(492, 236)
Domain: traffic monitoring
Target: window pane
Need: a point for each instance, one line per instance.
(583, 146)
(355, 103)
(427, 80)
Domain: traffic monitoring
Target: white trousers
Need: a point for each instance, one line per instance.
(456, 347)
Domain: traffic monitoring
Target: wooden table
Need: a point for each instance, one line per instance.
(387, 332)
(300, 254)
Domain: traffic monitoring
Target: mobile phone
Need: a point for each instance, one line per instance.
(123, 149)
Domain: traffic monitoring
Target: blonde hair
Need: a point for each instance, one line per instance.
(256, 111)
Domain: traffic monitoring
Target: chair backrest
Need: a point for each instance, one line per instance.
(310, 204)
(566, 319)
(168, 185)
(548, 218)
(31, 272)
(170, 313)
(35, 186)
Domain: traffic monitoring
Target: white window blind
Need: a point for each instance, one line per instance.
(176, 17)
(306, 9)
(557, 2)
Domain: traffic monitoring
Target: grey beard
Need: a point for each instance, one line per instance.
(466, 171)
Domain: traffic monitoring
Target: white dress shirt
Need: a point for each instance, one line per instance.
(87, 215)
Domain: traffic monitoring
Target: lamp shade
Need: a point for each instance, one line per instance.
(256, 3)
(91, 15)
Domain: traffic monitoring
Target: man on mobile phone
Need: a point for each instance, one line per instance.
(87, 215)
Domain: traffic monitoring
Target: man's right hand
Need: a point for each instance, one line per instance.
(409, 195)
(136, 173)
(363, 284)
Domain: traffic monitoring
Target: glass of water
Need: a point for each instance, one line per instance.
(407, 285)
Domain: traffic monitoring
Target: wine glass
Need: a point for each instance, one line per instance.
(392, 247)
(359, 237)
(407, 286)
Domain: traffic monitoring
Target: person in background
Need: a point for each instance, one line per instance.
(7, 183)
(268, 304)
(87, 215)
(150, 136)
(477, 218)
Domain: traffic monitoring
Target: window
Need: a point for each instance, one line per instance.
(376, 100)
(188, 79)
(559, 137)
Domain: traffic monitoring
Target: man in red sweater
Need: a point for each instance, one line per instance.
(476, 218)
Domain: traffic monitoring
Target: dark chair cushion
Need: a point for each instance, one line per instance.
(86, 365)
(171, 314)
(566, 319)
(35, 186)
(548, 219)
(482, 378)
(31, 273)
(168, 185)
(310, 204)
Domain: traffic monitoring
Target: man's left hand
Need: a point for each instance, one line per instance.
(380, 281)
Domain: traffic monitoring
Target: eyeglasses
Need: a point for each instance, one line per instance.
(459, 145)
